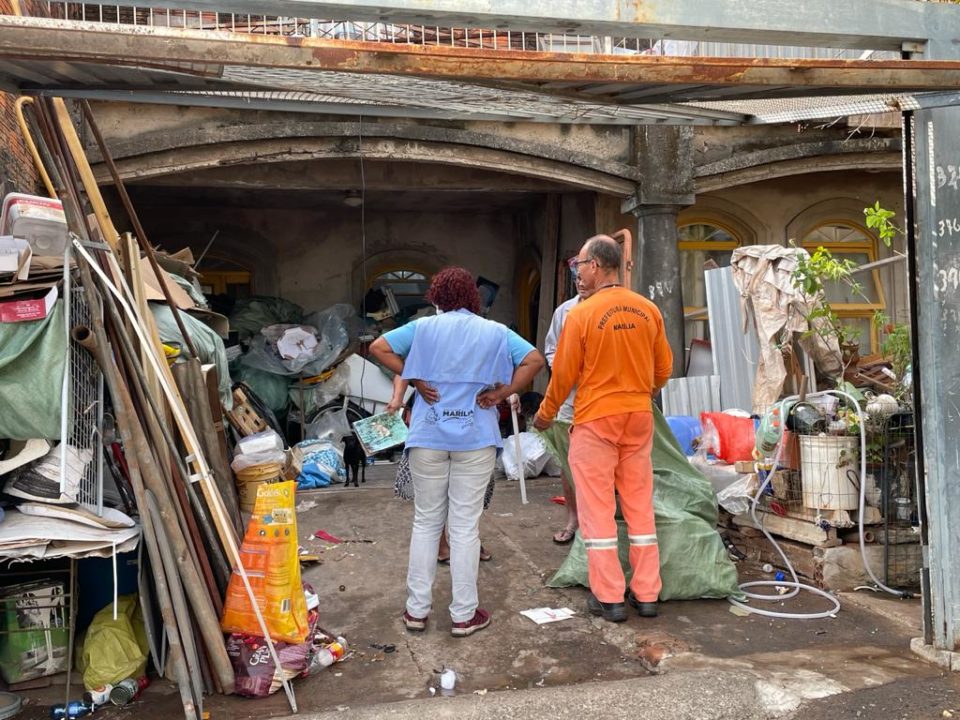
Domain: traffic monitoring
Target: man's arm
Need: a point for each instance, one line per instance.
(566, 370)
(662, 358)
(553, 335)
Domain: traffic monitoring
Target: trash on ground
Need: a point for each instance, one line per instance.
(327, 537)
(541, 616)
(559, 500)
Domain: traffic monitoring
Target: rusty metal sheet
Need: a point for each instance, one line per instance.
(39, 39)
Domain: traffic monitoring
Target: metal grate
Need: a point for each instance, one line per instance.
(83, 404)
(891, 480)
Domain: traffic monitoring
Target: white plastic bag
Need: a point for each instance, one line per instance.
(331, 426)
(535, 456)
(737, 497)
(241, 462)
(260, 442)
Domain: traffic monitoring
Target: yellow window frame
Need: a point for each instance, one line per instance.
(869, 247)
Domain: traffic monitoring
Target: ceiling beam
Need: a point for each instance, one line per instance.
(23, 39)
(867, 24)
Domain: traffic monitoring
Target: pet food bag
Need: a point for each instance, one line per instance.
(269, 555)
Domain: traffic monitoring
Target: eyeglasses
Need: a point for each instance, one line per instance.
(575, 263)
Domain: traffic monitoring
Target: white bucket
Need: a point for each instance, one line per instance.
(830, 472)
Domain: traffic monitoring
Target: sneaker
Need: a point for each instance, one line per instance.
(646, 609)
(611, 612)
(480, 620)
(414, 624)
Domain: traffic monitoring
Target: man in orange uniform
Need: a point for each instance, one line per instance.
(614, 350)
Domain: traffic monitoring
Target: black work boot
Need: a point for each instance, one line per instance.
(646, 609)
(611, 612)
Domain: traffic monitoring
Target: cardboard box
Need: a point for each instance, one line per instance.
(23, 309)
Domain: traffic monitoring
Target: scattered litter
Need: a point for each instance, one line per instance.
(504, 514)
(338, 674)
(305, 505)
(324, 535)
(388, 648)
(433, 690)
(306, 557)
(781, 590)
(739, 612)
(947, 714)
(540, 682)
(480, 692)
(541, 616)
(559, 500)
(343, 588)
(448, 679)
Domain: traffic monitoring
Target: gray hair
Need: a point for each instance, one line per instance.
(605, 251)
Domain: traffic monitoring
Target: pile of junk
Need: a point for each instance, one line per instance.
(139, 535)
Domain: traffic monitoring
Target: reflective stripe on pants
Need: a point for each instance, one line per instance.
(607, 455)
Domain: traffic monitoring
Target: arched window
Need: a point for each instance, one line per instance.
(847, 240)
(408, 287)
(700, 242)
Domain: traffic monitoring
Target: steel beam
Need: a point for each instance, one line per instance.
(24, 39)
(867, 24)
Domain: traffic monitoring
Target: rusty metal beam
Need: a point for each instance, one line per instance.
(25, 39)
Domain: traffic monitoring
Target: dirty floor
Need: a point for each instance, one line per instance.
(858, 661)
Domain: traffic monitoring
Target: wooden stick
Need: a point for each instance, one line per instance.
(514, 401)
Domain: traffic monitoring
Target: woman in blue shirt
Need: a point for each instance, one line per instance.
(462, 366)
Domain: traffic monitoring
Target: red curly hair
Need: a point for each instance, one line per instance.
(454, 288)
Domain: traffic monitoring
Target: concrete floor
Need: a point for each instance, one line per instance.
(858, 661)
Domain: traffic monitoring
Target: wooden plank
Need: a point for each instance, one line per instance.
(792, 529)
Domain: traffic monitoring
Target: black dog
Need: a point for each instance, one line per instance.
(355, 459)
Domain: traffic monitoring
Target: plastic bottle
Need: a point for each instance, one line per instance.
(98, 696)
(74, 709)
(448, 679)
(332, 653)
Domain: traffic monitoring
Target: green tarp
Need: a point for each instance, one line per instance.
(693, 560)
(33, 358)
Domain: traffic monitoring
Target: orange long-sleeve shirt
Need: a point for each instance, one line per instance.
(613, 348)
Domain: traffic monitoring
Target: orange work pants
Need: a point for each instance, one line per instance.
(613, 453)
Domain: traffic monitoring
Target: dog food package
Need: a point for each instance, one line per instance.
(33, 631)
(257, 674)
(269, 555)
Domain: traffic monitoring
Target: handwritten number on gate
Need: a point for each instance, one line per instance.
(948, 227)
(948, 176)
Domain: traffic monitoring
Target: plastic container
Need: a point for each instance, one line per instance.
(249, 479)
(830, 471)
(38, 220)
(332, 653)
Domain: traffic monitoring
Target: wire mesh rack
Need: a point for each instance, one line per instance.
(82, 402)
(891, 485)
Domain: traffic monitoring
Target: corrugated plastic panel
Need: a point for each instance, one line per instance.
(735, 353)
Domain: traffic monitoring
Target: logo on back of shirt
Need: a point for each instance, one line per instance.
(463, 418)
(622, 323)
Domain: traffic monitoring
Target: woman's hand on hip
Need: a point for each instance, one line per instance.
(427, 391)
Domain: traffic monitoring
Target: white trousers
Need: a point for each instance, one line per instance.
(449, 488)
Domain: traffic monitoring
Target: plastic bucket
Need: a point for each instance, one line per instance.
(251, 478)
(830, 472)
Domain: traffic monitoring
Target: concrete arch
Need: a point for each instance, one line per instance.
(847, 209)
(154, 155)
(408, 257)
(708, 209)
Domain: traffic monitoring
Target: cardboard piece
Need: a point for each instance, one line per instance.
(154, 290)
(22, 452)
(23, 309)
(15, 257)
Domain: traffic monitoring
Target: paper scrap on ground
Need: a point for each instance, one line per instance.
(541, 616)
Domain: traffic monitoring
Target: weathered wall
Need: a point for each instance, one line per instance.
(314, 258)
(17, 173)
(776, 211)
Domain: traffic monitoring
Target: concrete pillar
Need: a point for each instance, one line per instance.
(664, 156)
(656, 272)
